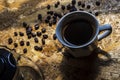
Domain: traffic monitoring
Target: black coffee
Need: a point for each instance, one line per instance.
(78, 32)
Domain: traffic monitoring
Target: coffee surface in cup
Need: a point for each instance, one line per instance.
(78, 32)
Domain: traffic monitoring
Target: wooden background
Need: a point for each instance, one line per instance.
(104, 65)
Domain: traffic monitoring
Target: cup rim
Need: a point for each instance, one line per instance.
(58, 31)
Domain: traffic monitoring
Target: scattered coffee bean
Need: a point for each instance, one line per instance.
(36, 40)
(40, 48)
(54, 37)
(39, 33)
(39, 17)
(83, 5)
(45, 36)
(15, 45)
(29, 36)
(50, 24)
(73, 2)
(73, 8)
(56, 5)
(46, 21)
(48, 6)
(33, 34)
(48, 17)
(79, 3)
(25, 50)
(50, 12)
(59, 15)
(43, 30)
(21, 33)
(43, 41)
(21, 43)
(28, 30)
(54, 17)
(96, 13)
(10, 41)
(36, 26)
(36, 48)
(24, 24)
(27, 43)
(15, 34)
(68, 7)
(97, 3)
(88, 6)
(63, 7)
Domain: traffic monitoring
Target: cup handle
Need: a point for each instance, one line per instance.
(107, 31)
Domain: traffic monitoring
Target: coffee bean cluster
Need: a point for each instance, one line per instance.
(34, 32)
(39, 33)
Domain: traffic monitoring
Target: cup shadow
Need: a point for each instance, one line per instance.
(85, 68)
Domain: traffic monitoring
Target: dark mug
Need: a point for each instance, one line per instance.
(80, 31)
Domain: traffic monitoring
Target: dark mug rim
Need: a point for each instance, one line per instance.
(70, 45)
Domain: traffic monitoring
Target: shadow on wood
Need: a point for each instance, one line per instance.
(85, 68)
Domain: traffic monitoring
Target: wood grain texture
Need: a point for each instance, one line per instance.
(104, 65)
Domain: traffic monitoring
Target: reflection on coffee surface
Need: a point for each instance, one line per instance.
(78, 32)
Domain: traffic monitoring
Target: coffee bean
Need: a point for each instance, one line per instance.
(39, 33)
(40, 48)
(73, 8)
(45, 36)
(43, 30)
(48, 17)
(28, 30)
(10, 41)
(46, 21)
(56, 5)
(25, 50)
(50, 24)
(68, 7)
(15, 34)
(83, 5)
(39, 16)
(88, 6)
(48, 6)
(21, 33)
(33, 34)
(73, 2)
(63, 7)
(36, 26)
(54, 17)
(97, 3)
(79, 3)
(55, 14)
(24, 24)
(15, 45)
(96, 13)
(50, 12)
(43, 41)
(36, 40)
(54, 37)
(59, 15)
(21, 43)
(29, 36)
(27, 43)
(36, 48)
